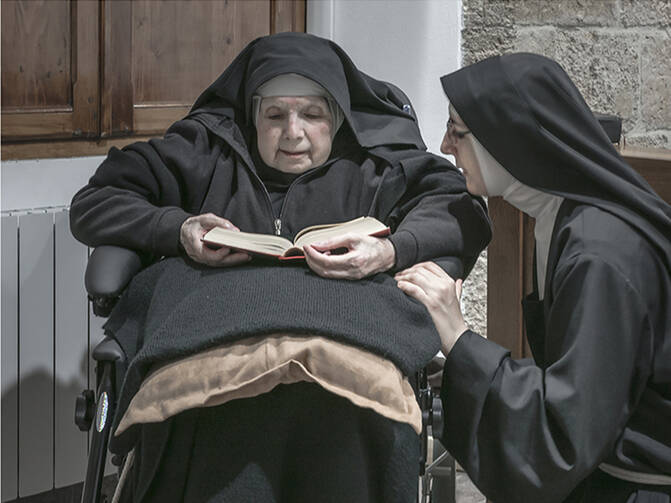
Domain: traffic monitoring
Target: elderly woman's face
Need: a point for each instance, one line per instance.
(294, 133)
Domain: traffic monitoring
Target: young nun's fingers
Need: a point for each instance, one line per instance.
(425, 266)
(436, 269)
(413, 291)
(459, 286)
(418, 277)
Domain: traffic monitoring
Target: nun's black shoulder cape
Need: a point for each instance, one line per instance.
(140, 196)
(599, 390)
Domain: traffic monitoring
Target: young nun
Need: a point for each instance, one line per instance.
(589, 418)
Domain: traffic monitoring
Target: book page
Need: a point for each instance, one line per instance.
(248, 241)
(361, 225)
(324, 226)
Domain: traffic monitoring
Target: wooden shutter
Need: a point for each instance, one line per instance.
(177, 50)
(49, 69)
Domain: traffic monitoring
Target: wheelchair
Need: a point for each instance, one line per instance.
(109, 270)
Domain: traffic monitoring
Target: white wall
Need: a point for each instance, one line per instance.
(43, 183)
(411, 43)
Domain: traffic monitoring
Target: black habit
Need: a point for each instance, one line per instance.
(599, 387)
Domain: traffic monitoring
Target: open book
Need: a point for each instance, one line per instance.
(282, 248)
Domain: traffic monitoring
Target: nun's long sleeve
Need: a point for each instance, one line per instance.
(439, 218)
(526, 434)
(140, 196)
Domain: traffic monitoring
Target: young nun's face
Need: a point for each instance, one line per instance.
(294, 132)
(458, 142)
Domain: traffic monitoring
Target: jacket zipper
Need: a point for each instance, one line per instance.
(244, 155)
(278, 220)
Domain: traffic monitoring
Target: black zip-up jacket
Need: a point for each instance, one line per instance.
(140, 196)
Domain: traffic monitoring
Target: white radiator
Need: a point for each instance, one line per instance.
(47, 335)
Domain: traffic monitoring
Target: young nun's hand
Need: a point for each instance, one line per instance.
(362, 256)
(432, 286)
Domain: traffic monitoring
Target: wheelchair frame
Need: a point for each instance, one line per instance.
(109, 270)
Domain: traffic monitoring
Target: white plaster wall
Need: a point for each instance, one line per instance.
(410, 43)
(41, 183)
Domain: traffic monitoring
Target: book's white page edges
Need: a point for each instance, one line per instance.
(313, 228)
(248, 240)
(362, 225)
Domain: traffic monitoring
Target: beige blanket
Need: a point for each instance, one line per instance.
(256, 365)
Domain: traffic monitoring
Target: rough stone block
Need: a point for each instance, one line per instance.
(603, 65)
(473, 13)
(656, 81)
(502, 12)
(579, 12)
(474, 297)
(657, 139)
(645, 12)
(552, 12)
(482, 42)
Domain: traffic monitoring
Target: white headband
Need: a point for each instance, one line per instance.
(496, 178)
(291, 84)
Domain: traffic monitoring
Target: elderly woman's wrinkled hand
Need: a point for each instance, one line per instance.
(363, 256)
(194, 228)
(432, 286)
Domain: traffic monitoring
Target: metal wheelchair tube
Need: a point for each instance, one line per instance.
(102, 425)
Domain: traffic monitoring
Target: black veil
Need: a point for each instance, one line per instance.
(529, 115)
(377, 112)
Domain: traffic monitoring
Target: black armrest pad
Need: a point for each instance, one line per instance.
(108, 350)
(109, 270)
(611, 124)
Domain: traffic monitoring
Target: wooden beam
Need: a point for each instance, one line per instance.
(68, 148)
(287, 15)
(117, 87)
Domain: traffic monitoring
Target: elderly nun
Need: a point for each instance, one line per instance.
(254, 381)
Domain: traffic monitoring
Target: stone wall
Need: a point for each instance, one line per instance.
(618, 53)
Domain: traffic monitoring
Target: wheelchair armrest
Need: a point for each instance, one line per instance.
(108, 350)
(611, 124)
(109, 270)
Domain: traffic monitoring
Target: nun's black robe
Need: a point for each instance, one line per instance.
(598, 389)
(532, 430)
